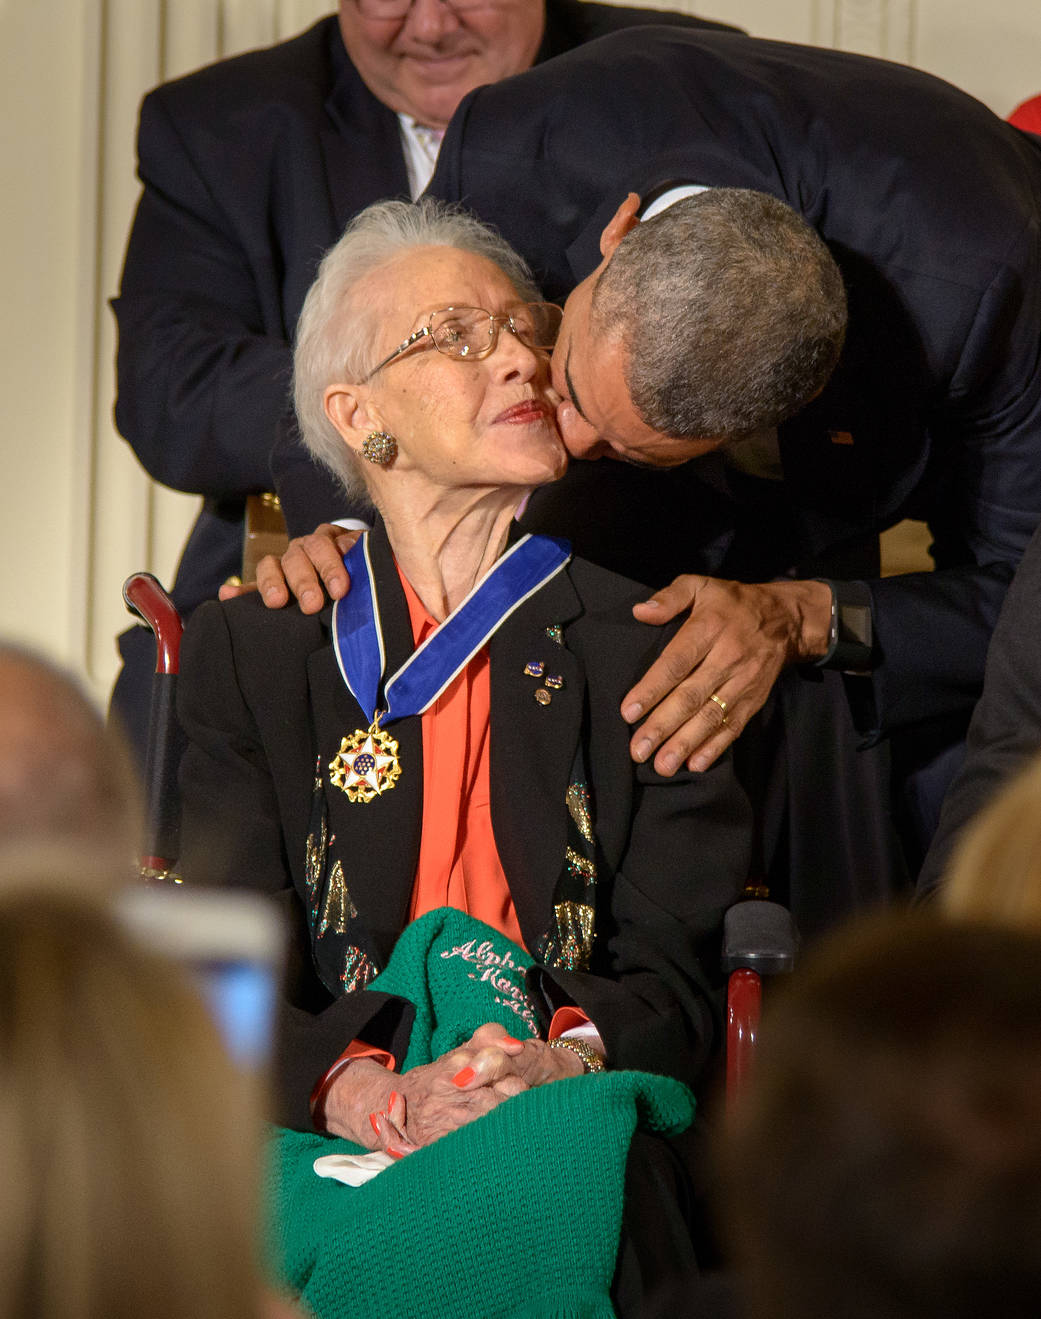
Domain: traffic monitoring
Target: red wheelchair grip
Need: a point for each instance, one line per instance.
(744, 1007)
(146, 598)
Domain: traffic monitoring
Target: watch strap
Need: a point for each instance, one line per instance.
(851, 636)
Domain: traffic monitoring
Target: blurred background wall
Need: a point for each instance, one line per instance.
(77, 513)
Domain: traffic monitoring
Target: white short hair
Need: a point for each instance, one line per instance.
(335, 338)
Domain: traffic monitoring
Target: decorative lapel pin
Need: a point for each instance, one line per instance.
(555, 681)
(542, 696)
(534, 669)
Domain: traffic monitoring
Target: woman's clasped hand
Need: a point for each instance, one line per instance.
(379, 1109)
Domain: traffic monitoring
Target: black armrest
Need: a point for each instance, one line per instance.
(759, 936)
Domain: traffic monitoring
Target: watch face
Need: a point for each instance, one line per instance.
(854, 646)
(855, 625)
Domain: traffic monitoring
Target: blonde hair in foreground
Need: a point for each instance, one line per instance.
(995, 871)
(129, 1141)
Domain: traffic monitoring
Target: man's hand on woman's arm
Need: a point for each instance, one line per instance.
(310, 571)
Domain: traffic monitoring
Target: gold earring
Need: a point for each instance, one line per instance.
(380, 448)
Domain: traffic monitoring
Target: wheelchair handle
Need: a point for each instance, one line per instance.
(147, 599)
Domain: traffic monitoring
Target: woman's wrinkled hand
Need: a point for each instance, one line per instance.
(507, 1066)
(382, 1110)
(431, 1104)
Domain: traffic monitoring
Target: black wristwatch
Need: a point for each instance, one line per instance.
(851, 635)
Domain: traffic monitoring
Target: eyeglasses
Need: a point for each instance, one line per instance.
(394, 10)
(470, 333)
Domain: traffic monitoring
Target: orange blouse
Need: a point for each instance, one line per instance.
(459, 863)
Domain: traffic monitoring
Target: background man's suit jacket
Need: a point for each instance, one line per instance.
(931, 207)
(263, 703)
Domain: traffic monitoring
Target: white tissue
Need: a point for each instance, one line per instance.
(352, 1169)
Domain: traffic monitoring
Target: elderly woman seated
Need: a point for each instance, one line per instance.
(488, 900)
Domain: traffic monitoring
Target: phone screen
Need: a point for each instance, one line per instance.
(242, 996)
(231, 944)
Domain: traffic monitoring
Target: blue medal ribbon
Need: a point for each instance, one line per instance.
(358, 635)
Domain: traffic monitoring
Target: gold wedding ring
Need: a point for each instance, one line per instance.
(722, 706)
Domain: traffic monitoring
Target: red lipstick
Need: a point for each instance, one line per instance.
(524, 413)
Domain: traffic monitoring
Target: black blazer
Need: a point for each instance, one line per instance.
(263, 704)
(1005, 732)
(931, 207)
(251, 168)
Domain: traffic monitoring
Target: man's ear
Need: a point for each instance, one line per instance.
(347, 408)
(623, 220)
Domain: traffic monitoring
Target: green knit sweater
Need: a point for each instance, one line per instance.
(518, 1213)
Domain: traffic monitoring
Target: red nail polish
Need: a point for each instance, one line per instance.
(392, 1100)
(395, 1153)
(464, 1077)
(374, 1120)
(508, 1039)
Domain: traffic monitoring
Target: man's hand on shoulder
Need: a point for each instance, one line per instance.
(310, 564)
(719, 668)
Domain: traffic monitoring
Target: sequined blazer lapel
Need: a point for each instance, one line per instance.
(533, 748)
(359, 890)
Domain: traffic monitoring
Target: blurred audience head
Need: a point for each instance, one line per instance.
(995, 870)
(130, 1143)
(885, 1162)
(64, 775)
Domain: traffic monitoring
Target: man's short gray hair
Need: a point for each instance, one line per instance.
(730, 309)
(335, 336)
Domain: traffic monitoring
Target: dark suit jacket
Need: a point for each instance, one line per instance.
(251, 169)
(1005, 732)
(931, 207)
(263, 704)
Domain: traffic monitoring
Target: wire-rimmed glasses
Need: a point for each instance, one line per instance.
(470, 333)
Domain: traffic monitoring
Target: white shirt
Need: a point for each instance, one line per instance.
(420, 145)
